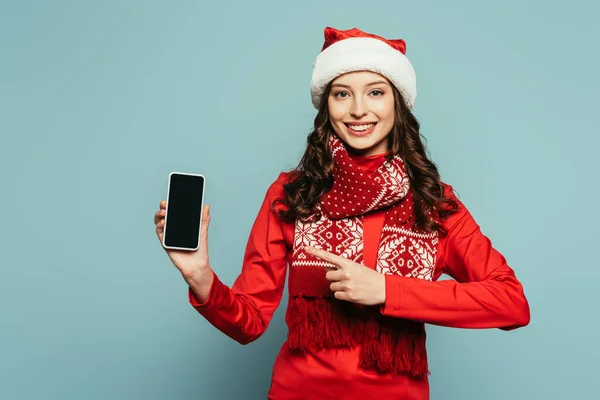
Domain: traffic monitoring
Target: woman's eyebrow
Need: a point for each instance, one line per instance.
(368, 84)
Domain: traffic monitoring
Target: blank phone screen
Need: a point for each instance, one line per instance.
(184, 209)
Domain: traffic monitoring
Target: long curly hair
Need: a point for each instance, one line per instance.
(313, 176)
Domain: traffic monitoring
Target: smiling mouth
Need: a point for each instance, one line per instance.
(361, 127)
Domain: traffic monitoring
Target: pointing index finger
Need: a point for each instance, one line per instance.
(336, 260)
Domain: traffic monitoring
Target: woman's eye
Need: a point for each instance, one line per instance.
(339, 94)
(377, 92)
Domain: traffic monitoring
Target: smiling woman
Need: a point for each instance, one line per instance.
(363, 227)
(361, 111)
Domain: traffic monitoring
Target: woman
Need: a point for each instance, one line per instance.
(366, 227)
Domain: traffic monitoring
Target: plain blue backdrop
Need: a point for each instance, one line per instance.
(99, 101)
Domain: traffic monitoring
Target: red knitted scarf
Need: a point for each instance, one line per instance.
(315, 318)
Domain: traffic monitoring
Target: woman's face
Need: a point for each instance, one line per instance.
(361, 111)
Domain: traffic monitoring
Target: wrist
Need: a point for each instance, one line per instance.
(200, 284)
(382, 291)
(200, 277)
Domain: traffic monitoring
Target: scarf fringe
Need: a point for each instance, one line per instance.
(388, 345)
(394, 347)
(311, 325)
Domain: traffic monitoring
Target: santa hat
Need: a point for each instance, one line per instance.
(354, 50)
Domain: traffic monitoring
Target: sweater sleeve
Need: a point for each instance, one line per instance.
(244, 311)
(484, 293)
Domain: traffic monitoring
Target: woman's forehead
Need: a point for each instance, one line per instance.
(359, 78)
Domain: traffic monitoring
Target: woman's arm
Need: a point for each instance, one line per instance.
(484, 294)
(244, 311)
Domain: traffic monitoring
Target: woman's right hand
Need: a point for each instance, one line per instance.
(193, 265)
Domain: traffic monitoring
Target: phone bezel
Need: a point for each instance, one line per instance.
(167, 211)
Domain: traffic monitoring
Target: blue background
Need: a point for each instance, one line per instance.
(99, 101)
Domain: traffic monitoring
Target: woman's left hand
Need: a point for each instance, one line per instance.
(352, 281)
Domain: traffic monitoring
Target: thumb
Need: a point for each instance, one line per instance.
(205, 223)
(343, 263)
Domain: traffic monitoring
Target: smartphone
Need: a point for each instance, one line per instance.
(183, 216)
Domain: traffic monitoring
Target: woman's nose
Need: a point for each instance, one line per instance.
(358, 110)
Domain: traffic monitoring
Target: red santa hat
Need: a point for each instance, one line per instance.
(354, 50)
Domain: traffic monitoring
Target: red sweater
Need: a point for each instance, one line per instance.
(484, 294)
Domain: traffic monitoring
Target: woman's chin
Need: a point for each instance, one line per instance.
(367, 145)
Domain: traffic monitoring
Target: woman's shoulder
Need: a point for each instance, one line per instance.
(283, 178)
(461, 213)
(449, 191)
(276, 189)
(287, 176)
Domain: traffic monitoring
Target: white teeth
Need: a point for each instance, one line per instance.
(360, 128)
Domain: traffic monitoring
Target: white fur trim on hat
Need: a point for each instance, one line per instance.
(363, 54)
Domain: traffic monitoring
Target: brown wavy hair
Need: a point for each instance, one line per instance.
(314, 174)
